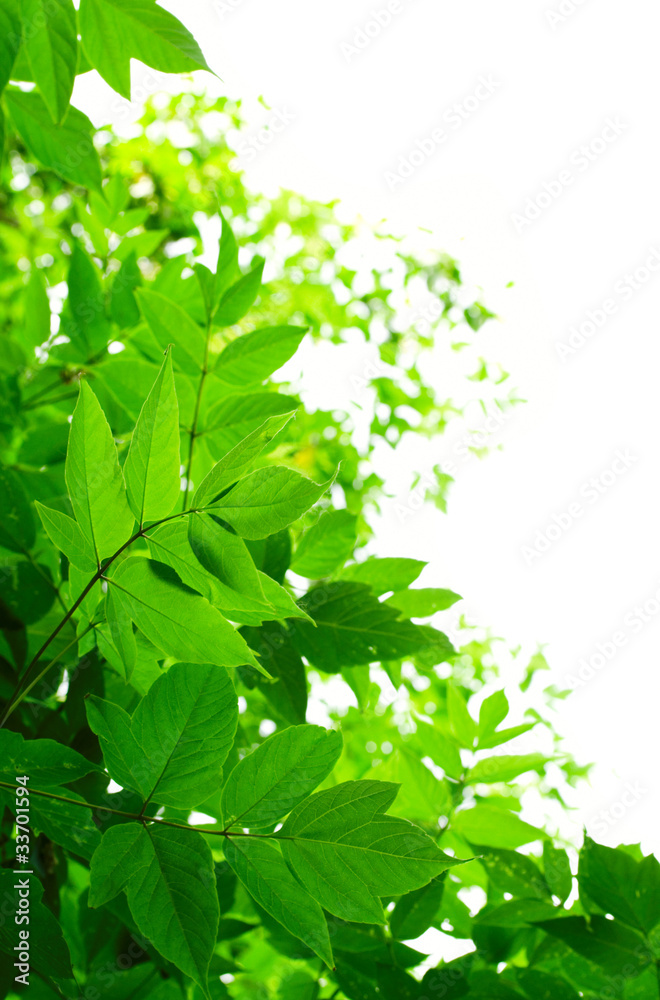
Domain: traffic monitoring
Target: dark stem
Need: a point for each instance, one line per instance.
(142, 819)
(14, 698)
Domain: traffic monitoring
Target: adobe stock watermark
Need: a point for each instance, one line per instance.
(580, 161)
(365, 33)
(453, 119)
(603, 821)
(589, 494)
(224, 7)
(248, 149)
(634, 621)
(562, 12)
(463, 450)
(595, 319)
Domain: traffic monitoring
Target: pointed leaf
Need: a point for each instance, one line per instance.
(236, 301)
(267, 501)
(255, 356)
(327, 545)
(51, 45)
(186, 726)
(116, 31)
(94, 479)
(153, 481)
(347, 853)
(383, 575)
(266, 877)
(422, 603)
(175, 618)
(224, 555)
(53, 144)
(173, 898)
(46, 762)
(354, 628)
(236, 462)
(67, 536)
(171, 325)
(120, 855)
(121, 630)
(266, 784)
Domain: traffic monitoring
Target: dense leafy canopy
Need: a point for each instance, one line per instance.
(186, 588)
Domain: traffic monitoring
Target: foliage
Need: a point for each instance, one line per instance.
(185, 591)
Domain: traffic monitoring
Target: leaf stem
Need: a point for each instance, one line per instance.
(142, 819)
(14, 700)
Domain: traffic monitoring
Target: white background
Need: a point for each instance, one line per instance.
(355, 113)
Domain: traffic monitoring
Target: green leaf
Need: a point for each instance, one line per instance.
(224, 555)
(121, 630)
(227, 269)
(120, 855)
(94, 479)
(116, 31)
(67, 536)
(176, 619)
(512, 872)
(45, 762)
(186, 726)
(415, 912)
(51, 44)
(236, 462)
(327, 545)
(123, 305)
(253, 357)
(383, 575)
(422, 798)
(10, 38)
(494, 710)
(234, 417)
(347, 853)
(422, 603)
(68, 149)
(267, 501)
(608, 943)
(171, 325)
(276, 653)
(16, 521)
(87, 303)
(124, 758)
(538, 986)
(620, 885)
(494, 827)
(236, 301)
(266, 877)
(444, 751)
(267, 784)
(169, 544)
(505, 768)
(354, 629)
(151, 470)
(170, 886)
(35, 329)
(503, 736)
(517, 913)
(65, 823)
(461, 722)
(557, 870)
(49, 952)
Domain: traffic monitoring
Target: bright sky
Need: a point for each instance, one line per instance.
(530, 127)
